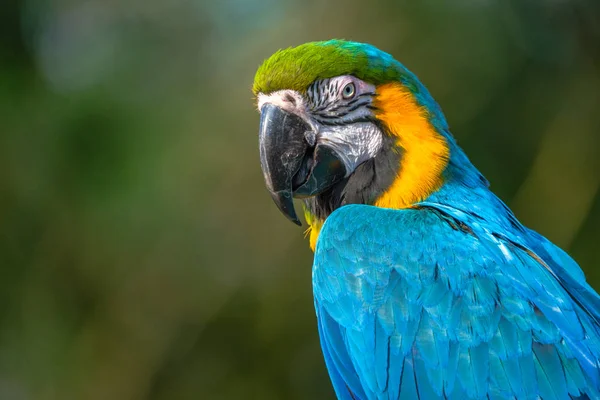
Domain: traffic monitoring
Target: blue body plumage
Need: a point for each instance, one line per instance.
(444, 301)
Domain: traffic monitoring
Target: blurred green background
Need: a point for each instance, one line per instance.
(141, 256)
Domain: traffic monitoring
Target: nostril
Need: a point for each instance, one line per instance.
(290, 99)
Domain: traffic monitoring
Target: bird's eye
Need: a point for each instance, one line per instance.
(348, 91)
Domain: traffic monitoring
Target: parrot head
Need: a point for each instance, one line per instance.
(344, 122)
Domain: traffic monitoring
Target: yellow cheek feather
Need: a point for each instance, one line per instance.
(424, 157)
(425, 152)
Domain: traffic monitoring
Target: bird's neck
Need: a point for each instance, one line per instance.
(425, 151)
(408, 169)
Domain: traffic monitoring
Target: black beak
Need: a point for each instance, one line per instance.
(291, 165)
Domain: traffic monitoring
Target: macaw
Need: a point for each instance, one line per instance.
(426, 286)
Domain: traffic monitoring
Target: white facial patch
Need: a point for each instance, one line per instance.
(354, 143)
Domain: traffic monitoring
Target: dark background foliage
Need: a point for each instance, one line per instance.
(141, 256)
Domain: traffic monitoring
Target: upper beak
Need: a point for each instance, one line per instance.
(291, 166)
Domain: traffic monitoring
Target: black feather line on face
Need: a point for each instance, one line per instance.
(314, 94)
(367, 183)
(338, 122)
(358, 105)
(354, 100)
(343, 109)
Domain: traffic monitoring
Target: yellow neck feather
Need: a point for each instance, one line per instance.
(314, 227)
(425, 152)
(424, 158)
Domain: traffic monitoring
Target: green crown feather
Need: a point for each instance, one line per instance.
(296, 68)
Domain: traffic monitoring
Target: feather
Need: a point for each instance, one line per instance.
(499, 382)
(432, 343)
(549, 370)
(345, 381)
(382, 351)
(426, 388)
(408, 387)
(450, 371)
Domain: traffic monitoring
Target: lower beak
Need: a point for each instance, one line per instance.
(291, 166)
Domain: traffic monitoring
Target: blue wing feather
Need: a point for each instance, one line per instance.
(408, 385)
(436, 303)
(341, 378)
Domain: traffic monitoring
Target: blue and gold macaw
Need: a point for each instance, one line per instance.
(426, 286)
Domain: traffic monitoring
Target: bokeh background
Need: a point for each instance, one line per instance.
(141, 256)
